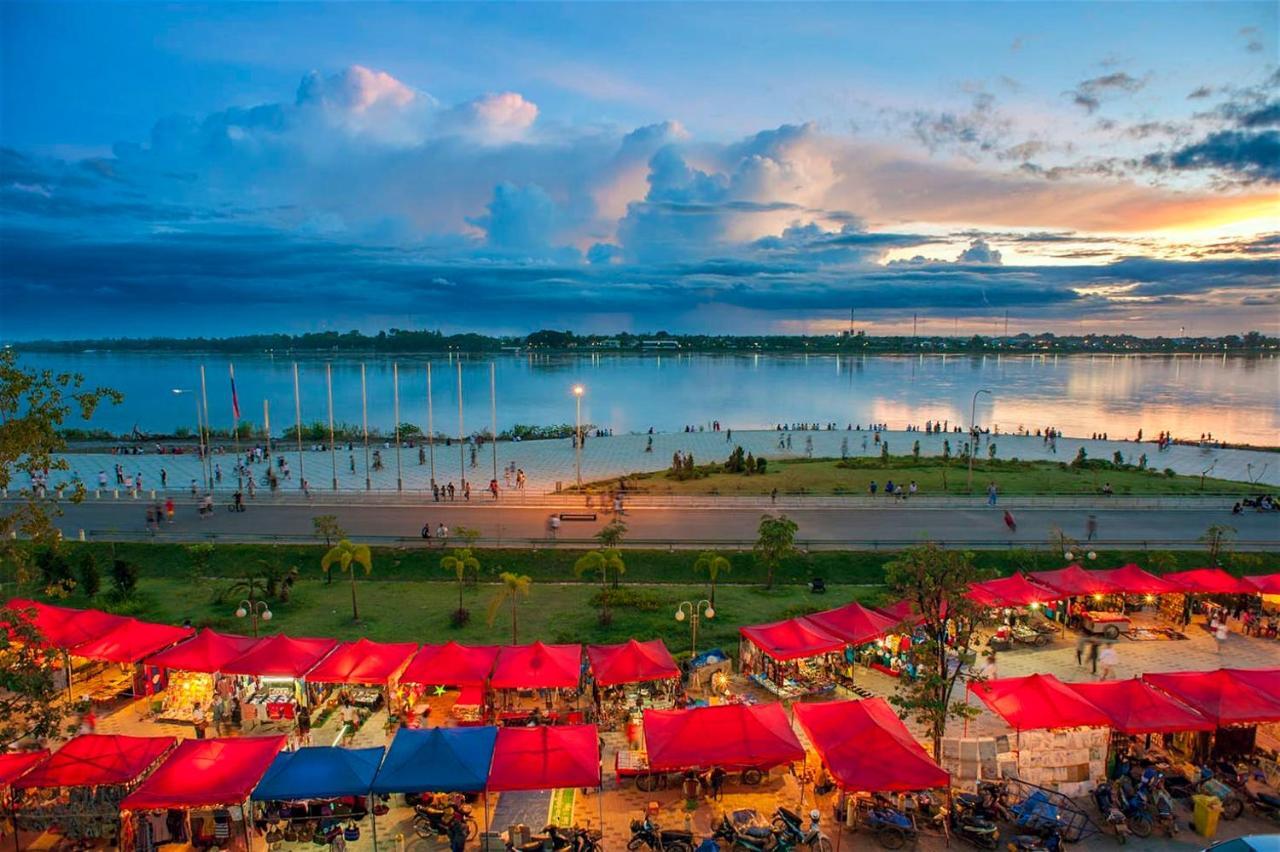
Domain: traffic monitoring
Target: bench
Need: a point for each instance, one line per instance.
(577, 516)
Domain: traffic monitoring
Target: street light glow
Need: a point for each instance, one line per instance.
(578, 390)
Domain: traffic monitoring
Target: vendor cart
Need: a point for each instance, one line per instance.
(1108, 624)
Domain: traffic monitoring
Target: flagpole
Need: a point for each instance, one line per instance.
(364, 419)
(462, 450)
(235, 424)
(493, 413)
(297, 410)
(333, 450)
(395, 382)
(431, 428)
(208, 451)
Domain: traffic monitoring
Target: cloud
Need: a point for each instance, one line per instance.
(494, 118)
(1199, 92)
(1089, 93)
(979, 251)
(1246, 157)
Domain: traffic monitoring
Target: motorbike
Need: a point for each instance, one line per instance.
(1047, 841)
(432, 819)
(791, 829)
(1110, 802)
(974, 823)
(748, 838)
(553, 838)
(645, 833)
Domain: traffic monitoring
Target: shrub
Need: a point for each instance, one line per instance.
(124, 577)
(90, 577)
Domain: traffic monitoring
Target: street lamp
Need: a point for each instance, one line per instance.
(578, 391)
(257, 609)
(692, 612)
(204, 455)
(973, 431)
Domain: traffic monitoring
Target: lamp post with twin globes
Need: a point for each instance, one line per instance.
(256, 609)
(687, 609)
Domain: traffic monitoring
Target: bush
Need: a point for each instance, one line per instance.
(53, 567)
(124, 576)
(640, 600)
(460, 617)
(761, 465)
(90, 577)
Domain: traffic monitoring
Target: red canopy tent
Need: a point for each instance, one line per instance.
(867, 748)
(132, 641)
(1136, 707)
(13, 765)
(900, 611)
(202, 773)
(1074, 581)
(451, 664)
(791, 639)
(1039, 701)
(854, 623)
(363, 661)
(1012, 591)
(1207, 581)
(545, 758)
(91, 760)
(65, 627)
(1267, 584)
(1132, 580)
(1266, 681)
(728, 735)
(537, 666)
(1221, 696)
(281, 656)
(631, 662)
(208, 651)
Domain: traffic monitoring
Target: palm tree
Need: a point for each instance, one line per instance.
(713, 564)
(601, 562)
(460, 562)
(347, 555)
(511, 588)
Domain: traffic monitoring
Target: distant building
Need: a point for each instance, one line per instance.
(660, 344)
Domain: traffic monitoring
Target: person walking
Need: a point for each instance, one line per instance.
(1109, 658)
(1220, 633)
(1091, 527)
(1093, 656)
(991, 493)
(198, 720)
(304, 726)
(1010, 522)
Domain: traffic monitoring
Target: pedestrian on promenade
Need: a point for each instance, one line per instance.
(1220, 634)
(773, 497)
(1010, 522)
(991, 493)
(1091, 527)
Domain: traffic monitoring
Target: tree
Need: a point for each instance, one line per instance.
(346, 556)
(90, 577)
(28, 693)
(327, 528)
(460, 561)
(600, 562)
(610, 537)
(34, 404)
(936, 581)
(775, 541)
(201, 558)
(1217, 540)
(511, 589)
(124, 577)
(713, 565)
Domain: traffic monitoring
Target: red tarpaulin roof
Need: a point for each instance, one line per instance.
(1039, 701)
(1268, 584)
(1074, 581)
(1220, 695)
(631, 662)
(537, 666)
(729, 735)
(1207, 581)
(1136, 707)
(1015, 590)
(281, 656)
(363, 661)
(1266, 681)
(208, 651)
(545, 758)
(201, 773)
(791, 639)
(131, 641)
(867, 748)
(854, 623)
(451, 664)
(1132, 580)
(13, 765)
(90, 760)
(901, 611)
(65, 627)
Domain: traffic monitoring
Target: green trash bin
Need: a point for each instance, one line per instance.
(1207, 811)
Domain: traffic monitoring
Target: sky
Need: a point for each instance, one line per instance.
(220, 169)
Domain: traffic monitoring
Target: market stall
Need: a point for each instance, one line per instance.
(1262, 619)
(1061, 738)
(1235, 703)
(272, 677)
(866, 748)
(126, 646)
(76, 792)
(199, 795)
(1139, 590)
(871, 638)
(750, 738)
(630, 678)
(537, 682)
(367, 672)
(1016, 602)
(466, 667)
(317, 793)
(445, 760)
(1144, 720)
(789, 658)
(1092, 604)
(62, 629)
(187, 675)
(13, 765)
(545, 758)
(1210, 592)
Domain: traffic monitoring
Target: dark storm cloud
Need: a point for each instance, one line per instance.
(1248, 157)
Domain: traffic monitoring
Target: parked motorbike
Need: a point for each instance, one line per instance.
(792, 830)
(749, 838)
(1048, 841)
(1110, 803)
(557, 840)
(974, 823)
(646, 833)
(432, 819)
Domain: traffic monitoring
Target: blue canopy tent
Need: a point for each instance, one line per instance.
(438, 760)
(319, 772)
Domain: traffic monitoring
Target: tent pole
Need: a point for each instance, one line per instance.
(600, 803)
(373, 823)
(485, 798)
(246, 813)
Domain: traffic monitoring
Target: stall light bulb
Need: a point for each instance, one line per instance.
(1035, 605)
(1150, 598)
(1097, 597)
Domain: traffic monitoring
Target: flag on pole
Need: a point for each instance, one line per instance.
(235, 400)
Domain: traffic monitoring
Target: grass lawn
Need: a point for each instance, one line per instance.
(833, 476)
(420, 611)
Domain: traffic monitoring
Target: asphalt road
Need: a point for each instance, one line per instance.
(819, 527)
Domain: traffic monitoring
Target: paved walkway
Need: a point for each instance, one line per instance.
(549, 462)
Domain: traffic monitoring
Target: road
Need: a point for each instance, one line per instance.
(691, 526)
